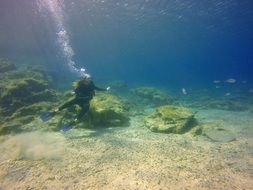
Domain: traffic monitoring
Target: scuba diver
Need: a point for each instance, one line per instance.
(84, 92)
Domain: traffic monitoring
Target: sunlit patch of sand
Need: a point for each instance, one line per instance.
(135, 158)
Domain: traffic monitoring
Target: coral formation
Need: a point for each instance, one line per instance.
(170, 119)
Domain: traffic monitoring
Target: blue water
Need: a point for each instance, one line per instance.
(196, 55)
(155, 42)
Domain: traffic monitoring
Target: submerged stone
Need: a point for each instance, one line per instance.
(171, 119)
(215, 131)
(107, 110)
(219, 135)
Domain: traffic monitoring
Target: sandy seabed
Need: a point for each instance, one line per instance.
(130, 158)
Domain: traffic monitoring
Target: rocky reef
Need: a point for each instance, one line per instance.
(20, 93)
(151, 96)
(170, 119)
(25, 93)
(5, 65)
(236, 101)
(222, 104)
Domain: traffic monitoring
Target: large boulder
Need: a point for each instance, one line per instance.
(170, 119)
(106, 110)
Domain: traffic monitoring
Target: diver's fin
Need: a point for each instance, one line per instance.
(66, 127)
(47, 116)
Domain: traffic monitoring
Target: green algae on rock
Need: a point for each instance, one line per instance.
(25, 93)
(107, 110)
(19, 93)
(171, 119)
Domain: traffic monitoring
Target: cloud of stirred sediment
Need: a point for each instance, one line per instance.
(33, 146)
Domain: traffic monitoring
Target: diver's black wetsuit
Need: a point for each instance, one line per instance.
(84, 92)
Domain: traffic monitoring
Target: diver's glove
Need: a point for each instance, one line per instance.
(108, 88)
